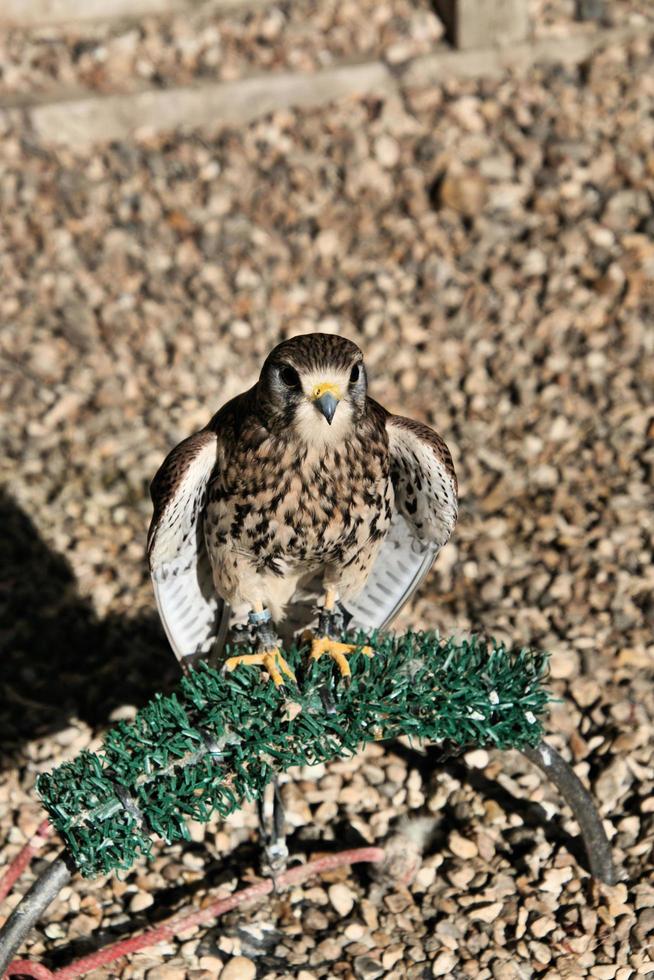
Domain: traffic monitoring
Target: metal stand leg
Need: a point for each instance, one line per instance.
(273, 837)
(583, 807)
(28, 912)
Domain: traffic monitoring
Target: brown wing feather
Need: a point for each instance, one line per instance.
(194, 617)
(178, 493)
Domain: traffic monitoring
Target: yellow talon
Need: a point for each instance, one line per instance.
(337, 651)
(270, 660)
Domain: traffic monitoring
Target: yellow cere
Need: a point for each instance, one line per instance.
(324, 388)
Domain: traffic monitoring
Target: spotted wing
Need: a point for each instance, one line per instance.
(425, 513)
(194, 617)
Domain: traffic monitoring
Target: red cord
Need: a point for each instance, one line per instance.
(198, 917)
(23, 858)
(27, 968)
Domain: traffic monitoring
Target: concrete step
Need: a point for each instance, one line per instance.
(83, 121)
(28, 13)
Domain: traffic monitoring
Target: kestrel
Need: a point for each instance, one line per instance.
(302, 501)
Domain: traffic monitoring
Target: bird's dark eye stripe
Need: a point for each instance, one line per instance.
(289, 376)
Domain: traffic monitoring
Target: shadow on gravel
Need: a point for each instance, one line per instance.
(520, 841)
(171, 900)
(58, 660)
(222, 869)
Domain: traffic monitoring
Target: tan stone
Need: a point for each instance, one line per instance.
(239, 968)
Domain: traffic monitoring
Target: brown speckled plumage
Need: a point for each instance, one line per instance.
(278, 494)
(284, 504)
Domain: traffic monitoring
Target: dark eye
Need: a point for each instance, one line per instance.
(355, 374)
(289, 376)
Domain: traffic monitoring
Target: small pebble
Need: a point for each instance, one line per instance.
(341, 898)
(141, 901)
(462, 846)
(368, 968)
(239, 968)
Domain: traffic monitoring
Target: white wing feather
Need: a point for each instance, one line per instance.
(401, 565)
(424, 517)
(194, 617)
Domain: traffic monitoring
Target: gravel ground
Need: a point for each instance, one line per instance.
(212, 45)
(489, 245)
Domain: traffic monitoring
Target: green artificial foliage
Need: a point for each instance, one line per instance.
(218, 739)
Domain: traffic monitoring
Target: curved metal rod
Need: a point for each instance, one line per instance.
(57, 874)
(31, 907)
(582, 805)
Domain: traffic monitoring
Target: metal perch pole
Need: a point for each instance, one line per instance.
(31, 907)
(26, 915)
(581, 803)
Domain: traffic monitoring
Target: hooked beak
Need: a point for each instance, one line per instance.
(326, 398)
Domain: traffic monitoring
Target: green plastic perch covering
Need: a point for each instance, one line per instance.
(219, 738)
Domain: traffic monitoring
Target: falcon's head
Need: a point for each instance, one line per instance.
(316, 384)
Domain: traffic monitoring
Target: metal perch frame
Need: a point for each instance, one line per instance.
(29, 910)
(598, 849)
(220, 739)
(45, 889)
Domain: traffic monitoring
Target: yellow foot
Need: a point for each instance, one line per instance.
(270, 660)
(337, 651)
